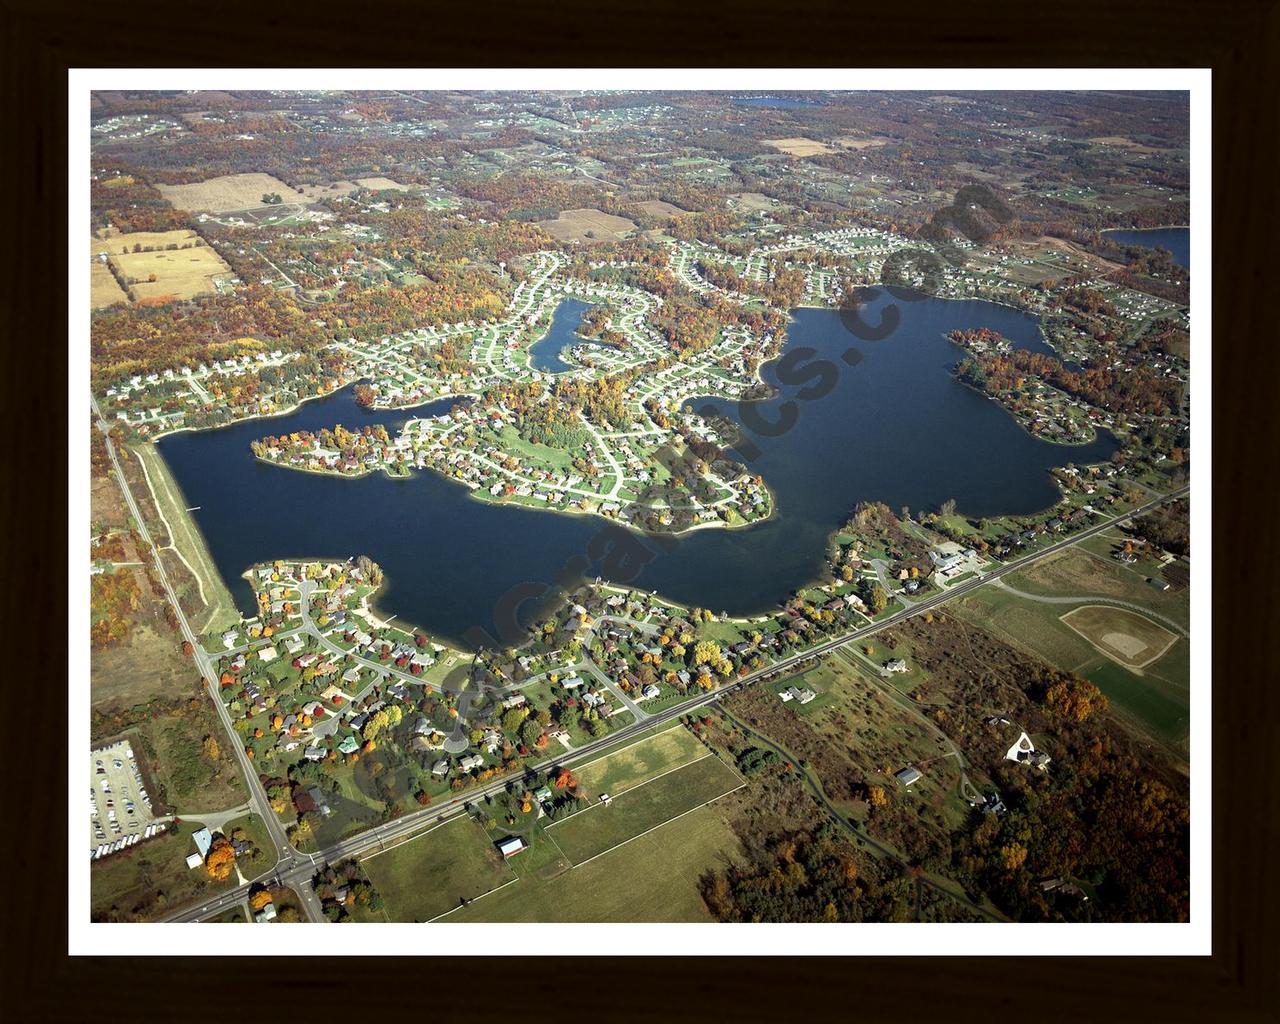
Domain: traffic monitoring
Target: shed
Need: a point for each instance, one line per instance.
(909, 775)
(510, 846)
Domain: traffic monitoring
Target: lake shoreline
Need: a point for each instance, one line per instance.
(454, 565)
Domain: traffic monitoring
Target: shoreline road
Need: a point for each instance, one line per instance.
(298, 872)
(286, 856)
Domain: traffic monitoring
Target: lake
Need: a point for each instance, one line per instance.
(777, 102)
(1176, 240)
(544, 354)
(895, 427)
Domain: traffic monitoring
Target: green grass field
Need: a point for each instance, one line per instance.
(653, 878)
(1081, 573)
(591, 832)
(617, 772)
(430, 874)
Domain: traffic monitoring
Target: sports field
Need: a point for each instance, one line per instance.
(1155, 698)
(642, 808)
(432, 873)
(1124, 636)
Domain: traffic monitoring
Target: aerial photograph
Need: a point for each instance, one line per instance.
(630, 505)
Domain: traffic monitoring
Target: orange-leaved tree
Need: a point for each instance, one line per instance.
(221, 858)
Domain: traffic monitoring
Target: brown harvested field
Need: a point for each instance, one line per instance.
(657, 208)
(798, 146)
(315, 193)
(104, 289)
(114, 243)
(106, 505)
(587, 226)
(146, 665)
(849, 142)
(377, 184)
(225, 194)
(758, 201)
(1123, 636)
(1123, 143)
(180, 273)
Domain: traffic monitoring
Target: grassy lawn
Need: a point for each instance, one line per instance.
(653, 878)
(538, 454)
(724, 631)
(615, 773)
(255, 830)
(1077, 572)
(149, 879)
(591, 832)
(820, 679)
(430, 874)
(212, 592)
(1159, 709)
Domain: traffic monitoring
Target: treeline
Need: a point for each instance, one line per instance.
(114, 597)
(551, 416)
(1168, 527)
(693, 323)
(349, 444)
(125, 341)
(797, 876)
(1106, 813)
(1129, 390)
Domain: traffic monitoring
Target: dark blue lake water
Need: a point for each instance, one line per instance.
(895, 427)
(544, 354)
(774, 101)
(1176, 240)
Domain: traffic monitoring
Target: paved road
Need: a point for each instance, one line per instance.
(401, 828)
(287, 856)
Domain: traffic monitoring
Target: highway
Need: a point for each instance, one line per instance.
(287, 857)
(298, 872)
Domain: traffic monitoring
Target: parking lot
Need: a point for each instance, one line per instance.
(119, 808)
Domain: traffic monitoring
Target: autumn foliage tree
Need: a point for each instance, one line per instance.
(1075, 699)
(221, 858)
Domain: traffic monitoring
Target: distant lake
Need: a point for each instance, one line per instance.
(544, 354)
(1176, 240)
(774, 101)
(896, 427)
